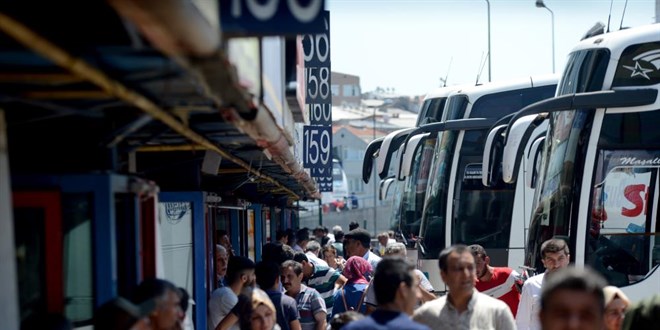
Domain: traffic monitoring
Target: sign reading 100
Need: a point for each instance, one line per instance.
(265, 10)
(317, 143)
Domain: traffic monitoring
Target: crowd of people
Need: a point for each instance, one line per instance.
(338, 281)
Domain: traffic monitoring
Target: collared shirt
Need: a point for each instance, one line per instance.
(315, 259)
(483, 312)
(503, 286)
(323, 280)
(530, 304)
(373, 259)
(309, 303)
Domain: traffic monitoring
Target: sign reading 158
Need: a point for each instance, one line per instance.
(317, 142)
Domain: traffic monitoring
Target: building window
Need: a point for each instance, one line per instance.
(335, 90)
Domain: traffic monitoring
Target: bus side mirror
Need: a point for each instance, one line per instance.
(385, 185)
(492, 156)
(408, 155)
(533, 166)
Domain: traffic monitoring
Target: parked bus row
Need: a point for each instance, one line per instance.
(507, 164)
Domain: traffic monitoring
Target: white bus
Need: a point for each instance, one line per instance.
(458, 208)
(338, 199)
(599, 172)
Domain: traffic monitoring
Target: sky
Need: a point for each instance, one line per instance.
(409, 45)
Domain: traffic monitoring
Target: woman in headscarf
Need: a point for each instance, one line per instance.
(616, 304)
(351, 297)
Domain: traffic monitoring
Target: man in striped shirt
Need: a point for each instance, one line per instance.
(311, 307)
(322, 278)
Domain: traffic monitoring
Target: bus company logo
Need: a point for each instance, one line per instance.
(634, 161)
(652, 57)
(175, 211)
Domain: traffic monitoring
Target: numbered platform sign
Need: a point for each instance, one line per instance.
(323, 178)
(271, 17)
(317, 148)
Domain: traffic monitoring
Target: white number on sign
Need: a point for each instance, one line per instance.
(265, 9)
(318, 147)
(318, 82)
(324, 82)
(321, 112)
(315, 49)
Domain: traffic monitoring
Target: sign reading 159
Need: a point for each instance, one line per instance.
(317, 142)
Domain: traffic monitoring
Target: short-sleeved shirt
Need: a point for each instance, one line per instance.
(323, 280)
(309, 303)
(385, 320)
(483, 312)
(502, 286)
(220, 304)
(527, 317)
(285, 307)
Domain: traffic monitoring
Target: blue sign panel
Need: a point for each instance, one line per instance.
(271, 17)
(323, 178)
(317, 146)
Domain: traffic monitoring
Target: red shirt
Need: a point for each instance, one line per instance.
(503, 287)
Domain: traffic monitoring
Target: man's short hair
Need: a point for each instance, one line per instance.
(573, 279)
(444, 254)
(554, 245)
(302, 235)
(360, 235)
(353, 225)
(119, 313)
(238, 266)
(319, 228)
(300, 257)
(280, 234)
(397, 248)
(295, 266)
(276, 252)
(339, 236)
(339, 320)
(478, 251)
(267, 273)
(383, 234)
(336, 229)
(313, 246)
(390, 272)
(153, 288)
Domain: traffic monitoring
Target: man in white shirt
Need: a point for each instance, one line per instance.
(554, 256)
(240, 274)
(463, 307)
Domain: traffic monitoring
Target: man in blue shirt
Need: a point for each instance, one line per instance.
(397, 291)
(268, 278)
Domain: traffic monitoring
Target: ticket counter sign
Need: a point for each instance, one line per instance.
(271, 17)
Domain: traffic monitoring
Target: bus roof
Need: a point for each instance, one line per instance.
(475, 92)
(616, 41)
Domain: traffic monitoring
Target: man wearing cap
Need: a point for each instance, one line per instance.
(357, 243)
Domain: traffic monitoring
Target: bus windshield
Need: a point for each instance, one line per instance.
(567, 136)
(479, 215)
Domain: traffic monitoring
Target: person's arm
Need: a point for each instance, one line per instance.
(426, 296)
(370, 300)
(227, 322)
(295, 325)
(320, 320)
(341, 280)
(524, 314)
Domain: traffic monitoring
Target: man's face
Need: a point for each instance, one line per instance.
(251, 279)
(168, 312)
(410, 294)
(221, 260)
(481, 264)
(554, 261)
(319, 233)
(383, 240)
(569, 309)
(308, 269)
(461, 273)
(262, 318)
(290, 281)
(350, 247)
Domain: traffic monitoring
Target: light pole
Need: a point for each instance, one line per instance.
(489, 55)
(375, 170)
(540, 4)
